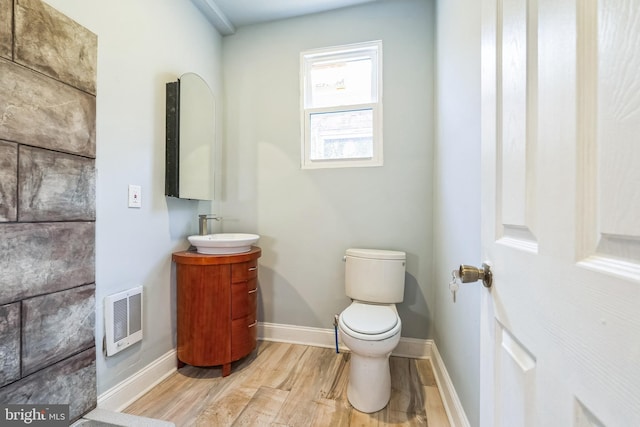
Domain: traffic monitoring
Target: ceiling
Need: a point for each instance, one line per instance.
(227, 15)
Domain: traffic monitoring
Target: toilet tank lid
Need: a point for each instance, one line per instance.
(376, 254)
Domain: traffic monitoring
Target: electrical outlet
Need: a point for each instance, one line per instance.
(135, 196)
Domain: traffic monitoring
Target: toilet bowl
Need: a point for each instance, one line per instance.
(371, 332)
(370, 326)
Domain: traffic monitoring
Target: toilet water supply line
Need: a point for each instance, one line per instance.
(335, 329)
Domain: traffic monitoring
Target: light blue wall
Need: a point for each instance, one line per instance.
(457, 195)
(142, 45)
(307, 218)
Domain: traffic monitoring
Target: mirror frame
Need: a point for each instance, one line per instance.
(172, 153)
(182, 149)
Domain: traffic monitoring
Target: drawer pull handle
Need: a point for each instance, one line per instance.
(253, 268)
(253, 324)
(253, 291)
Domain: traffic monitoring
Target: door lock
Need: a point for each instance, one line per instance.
(469, 273)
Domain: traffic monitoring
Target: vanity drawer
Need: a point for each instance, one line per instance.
(243, 337)
(252, 307)
(252, 285)
(244, 299)
(244, 270)
(251, 316)
(239, 300)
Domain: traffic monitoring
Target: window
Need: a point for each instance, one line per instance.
(341, 97)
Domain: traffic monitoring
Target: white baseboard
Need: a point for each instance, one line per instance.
(128, 391)
(318, 337)
(123, 394)
(414, 348)
(452, 404)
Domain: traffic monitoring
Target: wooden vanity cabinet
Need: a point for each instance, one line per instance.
(216, 304)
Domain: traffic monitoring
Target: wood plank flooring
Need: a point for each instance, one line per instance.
(283, 384)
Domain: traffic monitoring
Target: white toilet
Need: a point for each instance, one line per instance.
(370, 326)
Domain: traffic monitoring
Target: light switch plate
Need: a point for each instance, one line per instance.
(135, 196)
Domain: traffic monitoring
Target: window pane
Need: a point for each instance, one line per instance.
(343, 82)
(342, 135)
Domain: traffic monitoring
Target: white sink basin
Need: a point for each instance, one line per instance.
(223, 243)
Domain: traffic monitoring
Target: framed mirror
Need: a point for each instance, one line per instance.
(190, 138)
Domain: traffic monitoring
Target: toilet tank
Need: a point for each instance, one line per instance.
(375, 275)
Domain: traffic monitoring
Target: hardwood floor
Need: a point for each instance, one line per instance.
(283, 384)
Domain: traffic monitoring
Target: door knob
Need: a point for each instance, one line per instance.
(469, 273)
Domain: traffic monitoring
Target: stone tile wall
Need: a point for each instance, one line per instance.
(47, 207)
(6, 19)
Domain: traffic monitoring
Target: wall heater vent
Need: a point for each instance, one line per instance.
(123, 319)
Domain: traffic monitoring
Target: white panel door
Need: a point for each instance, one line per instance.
(560, 329)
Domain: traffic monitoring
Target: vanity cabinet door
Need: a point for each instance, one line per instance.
(203, 314)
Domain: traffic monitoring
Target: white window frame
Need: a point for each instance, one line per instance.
(373, 50)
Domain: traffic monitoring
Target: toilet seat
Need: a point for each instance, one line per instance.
(370, 322)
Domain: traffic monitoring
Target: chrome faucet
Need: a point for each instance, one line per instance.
(202, 223)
